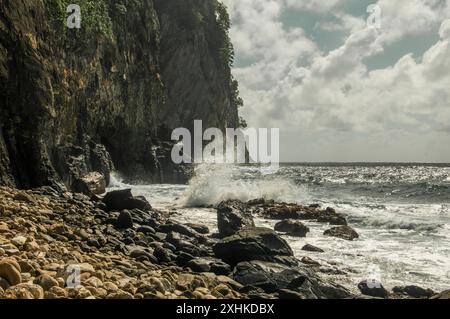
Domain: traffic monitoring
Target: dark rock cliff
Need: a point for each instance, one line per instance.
(74, 101)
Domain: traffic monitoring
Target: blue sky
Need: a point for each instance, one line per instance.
(339, 90)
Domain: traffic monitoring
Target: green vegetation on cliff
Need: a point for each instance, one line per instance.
(94, 15)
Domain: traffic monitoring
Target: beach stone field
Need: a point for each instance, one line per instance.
(61, 245)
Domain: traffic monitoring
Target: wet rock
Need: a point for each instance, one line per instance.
(123, 199)
(309, 261)
(414, 291)
(125, 220)
(181, 229)
(146, 230)
(209, 265)
(373, 289)
(268, 276)
(141, 254)
(292, 228)
(343, 232)
(252, 244)
(10, 271)
(201, 229)
(312, 248)
(163, 255)
(232, 216)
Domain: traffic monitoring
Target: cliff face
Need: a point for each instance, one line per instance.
(77, 101)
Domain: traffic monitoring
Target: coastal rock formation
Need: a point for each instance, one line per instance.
(106, 96)
(253, 244)
(282, 211)
(292, 228)
(344, 232)
(414, 291)
(373, 289)
(232, 216)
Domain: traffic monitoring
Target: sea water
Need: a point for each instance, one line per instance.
(401, 212)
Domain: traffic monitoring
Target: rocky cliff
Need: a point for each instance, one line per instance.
(75, 101)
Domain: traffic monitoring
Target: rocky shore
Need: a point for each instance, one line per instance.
(65, 245)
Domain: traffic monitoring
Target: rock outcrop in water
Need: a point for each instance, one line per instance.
(81, 101)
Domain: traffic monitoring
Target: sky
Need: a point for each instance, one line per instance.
(345, 84)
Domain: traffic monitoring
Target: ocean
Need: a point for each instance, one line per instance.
(401, 212)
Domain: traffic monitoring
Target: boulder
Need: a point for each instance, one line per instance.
(207, 264)
(90, 183)
(125, 220)
(252, 244)
(312, 248)
(414, 291)
(292, 227)
(300, 282)
(373, 290)
(123, 199)
(344, 232)
(232, 216)
(268, 276)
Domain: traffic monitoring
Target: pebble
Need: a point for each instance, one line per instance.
(10, 272)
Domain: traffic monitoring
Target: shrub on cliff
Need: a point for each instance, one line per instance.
(94, 16)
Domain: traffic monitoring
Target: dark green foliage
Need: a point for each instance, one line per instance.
(94, 16)
(226, 52)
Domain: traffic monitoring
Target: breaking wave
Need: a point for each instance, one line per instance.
(214, 183)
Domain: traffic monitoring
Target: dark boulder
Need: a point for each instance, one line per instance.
(125, 220)
(178, 228)
(292, 228)
(123, 199)
(268, 276)
(252, 244)
(201, 229)
(344, 232)
(232, 216)
(414, 291)
(374, 289)
(312, 248)
(145, 230)
(301, 282)
(207, 264)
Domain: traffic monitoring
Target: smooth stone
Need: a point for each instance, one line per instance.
(10, 272)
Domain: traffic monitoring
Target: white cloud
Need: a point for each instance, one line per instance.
(331, 97)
